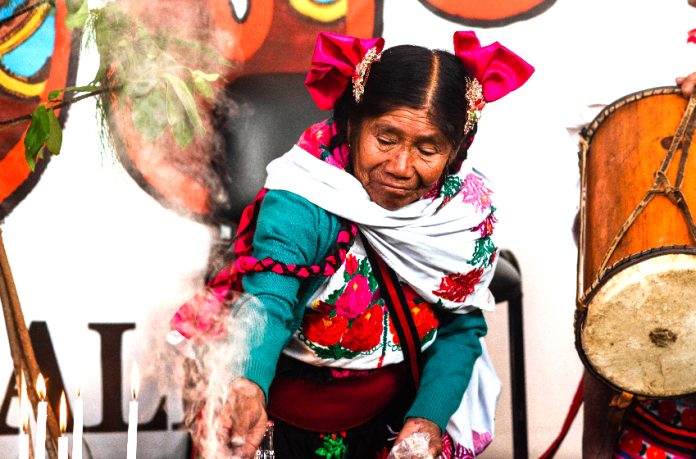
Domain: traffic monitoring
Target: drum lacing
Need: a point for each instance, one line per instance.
(662, 186)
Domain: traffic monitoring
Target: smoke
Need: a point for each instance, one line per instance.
(210, 366)
(164, 58)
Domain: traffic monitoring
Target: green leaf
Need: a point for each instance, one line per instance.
(187, 101)
(176, 116)
(53, 95)
(149, 113)
(55, 134)
(77, 18)
(203, 87)
(210, 77)
(36, 135)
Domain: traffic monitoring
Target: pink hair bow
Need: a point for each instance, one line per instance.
(498, 69)
(334, 64)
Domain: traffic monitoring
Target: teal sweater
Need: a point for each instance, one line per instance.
(290, 229)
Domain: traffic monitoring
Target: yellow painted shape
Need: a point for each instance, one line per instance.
(322, 13)
(19, 87)
(35, 20)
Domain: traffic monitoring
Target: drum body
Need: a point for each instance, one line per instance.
(636, 318)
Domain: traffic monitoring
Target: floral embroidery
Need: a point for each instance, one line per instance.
(423, 316)
(450, 188)
(483, 253)
(365, 333)
(333, 447)
(475, 192)
(314, 141)
(350, 321)
(355, 298)
(486, 226)
(481, 441)
(323, 330)
(458, 286)
(453, 450)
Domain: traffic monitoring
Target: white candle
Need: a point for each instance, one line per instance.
(24, 419)
(42, 414)
(132, 444)
(63, 440)
(78, 409)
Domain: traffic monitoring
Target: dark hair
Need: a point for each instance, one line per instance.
(414, 77)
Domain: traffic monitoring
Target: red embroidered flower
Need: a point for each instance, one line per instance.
(322, 329)
(313, 137)
(654, 453)
(355, 298)
(351, 264)
(422, 313)
(365, 332)
(666, 409)
(631, 442)
(457, 286)
(688, 418)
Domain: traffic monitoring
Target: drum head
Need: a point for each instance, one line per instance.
(640, 329)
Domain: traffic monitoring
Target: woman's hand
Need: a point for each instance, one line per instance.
(422, 425)
(687, 84)
(239, 425)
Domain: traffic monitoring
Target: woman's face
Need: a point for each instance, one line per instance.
(399, 156)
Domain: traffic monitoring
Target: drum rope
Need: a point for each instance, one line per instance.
(662, 186)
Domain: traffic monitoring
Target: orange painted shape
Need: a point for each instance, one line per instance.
(239, 41)
(13, 167)
(360, 19)
(479, 10)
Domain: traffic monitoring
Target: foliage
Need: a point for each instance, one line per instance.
(138, 71)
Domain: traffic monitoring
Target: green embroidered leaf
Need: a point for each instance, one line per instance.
(334, 352)
(364, 267)
(482, 252)
(55, 134)
(451, 186)
(335, 294)
(346, 277)
(428, 336)
(372, 282)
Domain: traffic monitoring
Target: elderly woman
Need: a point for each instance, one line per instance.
(370, 252)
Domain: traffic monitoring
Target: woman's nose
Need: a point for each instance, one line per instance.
(400, 164)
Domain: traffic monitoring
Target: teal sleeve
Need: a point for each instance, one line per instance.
(290, 230)
(448, 364)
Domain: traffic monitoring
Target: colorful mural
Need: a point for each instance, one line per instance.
(258, 36)
(37, 54)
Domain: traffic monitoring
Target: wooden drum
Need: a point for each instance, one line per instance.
(635, 323)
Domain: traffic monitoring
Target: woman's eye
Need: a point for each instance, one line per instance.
(427, 151)
(385, 141)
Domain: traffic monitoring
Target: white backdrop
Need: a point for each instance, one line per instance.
(89, 246)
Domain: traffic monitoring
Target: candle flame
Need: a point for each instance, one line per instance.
(63, 413)
(79, 392)
(41, 387)
(135, 380)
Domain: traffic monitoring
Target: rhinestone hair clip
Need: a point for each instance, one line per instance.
(362, 72)
(475, 103)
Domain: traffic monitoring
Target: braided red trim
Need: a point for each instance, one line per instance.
(345, 238)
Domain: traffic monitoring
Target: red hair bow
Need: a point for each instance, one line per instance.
(498, 69)
(333, 65)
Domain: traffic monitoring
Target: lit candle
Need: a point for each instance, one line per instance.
(42, 414)
(132, 444)
(24, 419)
(77, 426)
(63, 440)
